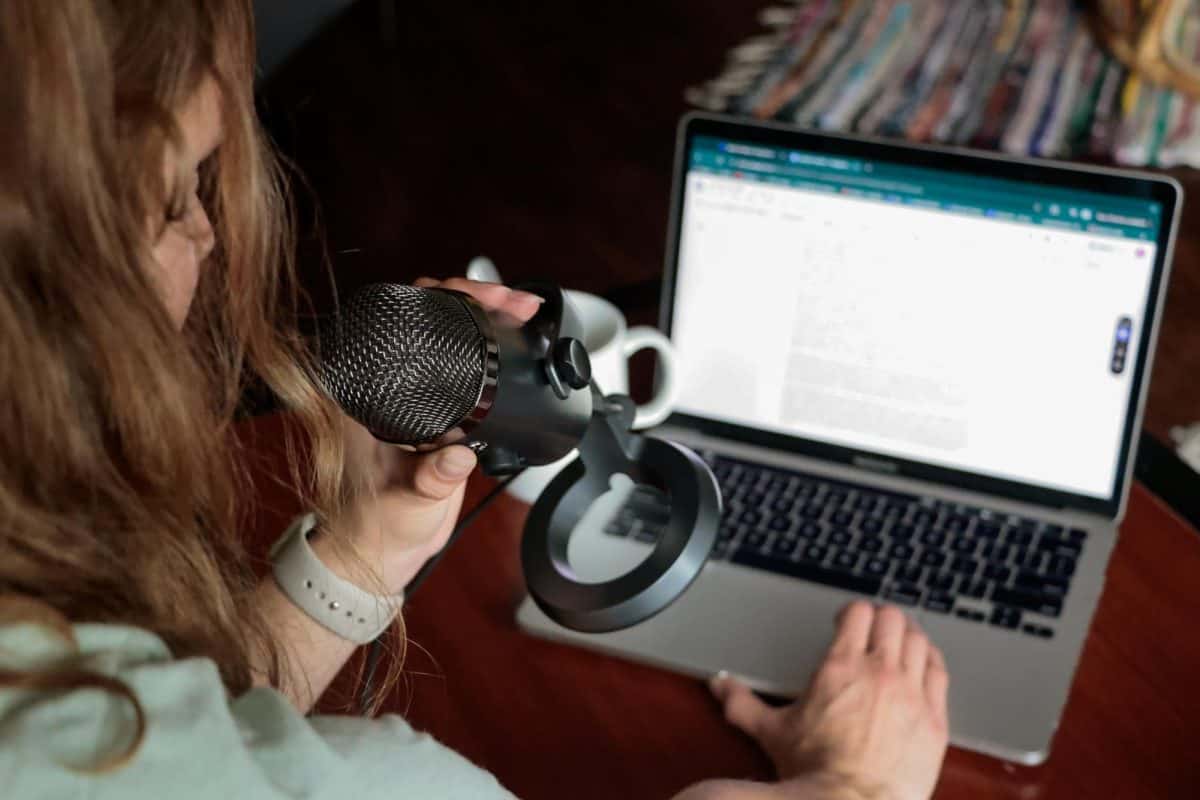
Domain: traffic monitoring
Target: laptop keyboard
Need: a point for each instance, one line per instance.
(979, 565)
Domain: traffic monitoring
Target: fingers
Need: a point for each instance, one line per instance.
(887, 634)
(437, 475)
(492, 296)
(914, 653)
(937, 682)
(854, 629)
(742, 707)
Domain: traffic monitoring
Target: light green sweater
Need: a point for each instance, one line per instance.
(198, 743)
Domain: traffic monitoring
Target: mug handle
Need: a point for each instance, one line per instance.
(666, 381)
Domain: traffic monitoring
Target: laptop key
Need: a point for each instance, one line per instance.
(1077, 534)
(871, 525)
(988, 530)
(903, 531)
(1061, 565)
(1041, 631)
(940, 602)
(814, 552)
(1018, 536)
(780, 523)
(783, 547)
(933, 558)
(964, 544)
(970, 614)
(905, 594)
(749, 517)
(875, 566)
(996, 572)
(845, 559)
(1031, 559)
(840, 537)
(910, 573)
(933, 538)
(1005, 617)
(755, 539)
(901, 551)
(964, 565)
(1039, 603)
(976, 589)
(1060, 546)
(1040, 584)
(871, 545)
(997, 552)
(808, 571)
(616, 528)
(941, 581)
(647, 535)
(842, 517)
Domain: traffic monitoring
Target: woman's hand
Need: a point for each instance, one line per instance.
(873, 721)
(412, 500)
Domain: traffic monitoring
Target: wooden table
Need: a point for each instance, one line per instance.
(553, 721)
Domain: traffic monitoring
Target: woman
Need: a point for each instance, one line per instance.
(144, 279)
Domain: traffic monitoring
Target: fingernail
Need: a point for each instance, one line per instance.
(716, 683)
(455, 463)
(537, 298)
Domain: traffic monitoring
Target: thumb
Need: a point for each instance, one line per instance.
(439, 474)
(742, 707)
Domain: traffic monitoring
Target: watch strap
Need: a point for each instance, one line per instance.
(337, 604)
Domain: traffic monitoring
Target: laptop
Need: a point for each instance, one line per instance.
(918, 375)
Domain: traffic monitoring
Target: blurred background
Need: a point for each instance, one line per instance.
(541, 133)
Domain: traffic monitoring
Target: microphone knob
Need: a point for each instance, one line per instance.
(571, 364)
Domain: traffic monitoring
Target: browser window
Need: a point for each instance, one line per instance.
(972, 323)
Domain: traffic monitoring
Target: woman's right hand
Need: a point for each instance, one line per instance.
(873, 721)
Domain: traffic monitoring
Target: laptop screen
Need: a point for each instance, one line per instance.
(975, 323)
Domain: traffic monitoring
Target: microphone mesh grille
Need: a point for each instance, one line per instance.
(407, 363)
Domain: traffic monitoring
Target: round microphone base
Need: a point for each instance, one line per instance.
(609, 448)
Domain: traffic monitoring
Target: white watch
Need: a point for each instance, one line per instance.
(337, 604)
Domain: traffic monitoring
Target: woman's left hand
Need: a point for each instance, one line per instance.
(417, 496)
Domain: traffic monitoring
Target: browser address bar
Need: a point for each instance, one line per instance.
(852, 180)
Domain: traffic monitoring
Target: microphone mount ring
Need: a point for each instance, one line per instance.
(608, 447)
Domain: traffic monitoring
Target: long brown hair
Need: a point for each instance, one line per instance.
(119, 477)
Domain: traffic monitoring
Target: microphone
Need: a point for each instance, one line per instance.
(430, 367)
(426, 368)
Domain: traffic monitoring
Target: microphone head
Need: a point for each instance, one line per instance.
(408, 363)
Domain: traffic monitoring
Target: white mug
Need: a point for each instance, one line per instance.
(610, 342)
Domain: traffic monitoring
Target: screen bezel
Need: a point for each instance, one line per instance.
(1056, 174)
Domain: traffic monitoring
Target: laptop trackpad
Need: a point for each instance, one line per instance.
(770, 631)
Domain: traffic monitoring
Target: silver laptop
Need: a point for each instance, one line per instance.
(918, 375)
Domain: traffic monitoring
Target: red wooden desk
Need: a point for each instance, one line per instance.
(557, 722)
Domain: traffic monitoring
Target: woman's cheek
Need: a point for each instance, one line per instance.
(178, 273)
